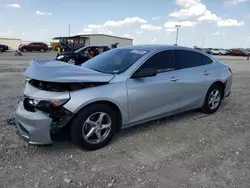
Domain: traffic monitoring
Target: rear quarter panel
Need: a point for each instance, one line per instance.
(219, 73)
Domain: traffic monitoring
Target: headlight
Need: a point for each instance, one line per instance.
(60, 57)
(43, 105)
(26, 80)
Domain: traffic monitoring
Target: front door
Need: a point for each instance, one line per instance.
(150, 97)
(84, 55)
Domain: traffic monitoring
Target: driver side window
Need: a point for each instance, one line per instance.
(85, 52)
(162, 61)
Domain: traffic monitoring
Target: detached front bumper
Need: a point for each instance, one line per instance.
(33, 127)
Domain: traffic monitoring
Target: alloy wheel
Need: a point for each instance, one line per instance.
(214, 99)
(71, 61)
(97, 127)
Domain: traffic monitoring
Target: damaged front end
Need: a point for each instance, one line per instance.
(41, 113)
(52, 109)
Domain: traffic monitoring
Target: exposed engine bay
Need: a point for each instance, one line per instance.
(60, 87)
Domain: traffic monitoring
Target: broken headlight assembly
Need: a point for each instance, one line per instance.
(48, 106)
(60, 57)
(52, 108)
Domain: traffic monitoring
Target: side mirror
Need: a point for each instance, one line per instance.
(146, 72)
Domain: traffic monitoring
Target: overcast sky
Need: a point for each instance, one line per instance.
(218, 23)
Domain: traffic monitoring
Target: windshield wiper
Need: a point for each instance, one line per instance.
(96, 70)
(102, 71)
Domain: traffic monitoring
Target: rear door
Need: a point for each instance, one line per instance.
(237, 52)
(31, 46)
(38, 46)
(195, 77)
(157, 95)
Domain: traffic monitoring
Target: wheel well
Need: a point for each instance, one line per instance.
(222, 86)
(114, 107)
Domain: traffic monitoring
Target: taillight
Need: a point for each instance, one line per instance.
(230, 70)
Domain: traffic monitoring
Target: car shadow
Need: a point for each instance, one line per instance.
(144, 127)
(62, 140)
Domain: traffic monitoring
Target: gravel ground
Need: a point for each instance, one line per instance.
(187, 150)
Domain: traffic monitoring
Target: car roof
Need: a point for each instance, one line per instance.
(157, 47)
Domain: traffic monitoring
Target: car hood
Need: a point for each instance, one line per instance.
(69, 53)
(56, 71)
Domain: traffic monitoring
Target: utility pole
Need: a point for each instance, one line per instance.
(202, 43)
(177, 33)
(69, 30)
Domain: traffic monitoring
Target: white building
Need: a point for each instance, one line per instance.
(98, 40)
(12, 43)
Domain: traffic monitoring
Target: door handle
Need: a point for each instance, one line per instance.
(206, 73)
(174, 79)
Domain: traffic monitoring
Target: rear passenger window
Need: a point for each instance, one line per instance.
(206, 60)
(188, 59)
(162, 61)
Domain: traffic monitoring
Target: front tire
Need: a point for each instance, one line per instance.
(42, 50)
(213, 99)
(71, 61)
(94, 126)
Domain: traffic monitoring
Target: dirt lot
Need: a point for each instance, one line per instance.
(187, 150)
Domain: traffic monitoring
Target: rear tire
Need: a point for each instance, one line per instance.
(42, 50)
(213, 99)
(80, 128)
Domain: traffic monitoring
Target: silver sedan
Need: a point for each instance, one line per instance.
(119, 88)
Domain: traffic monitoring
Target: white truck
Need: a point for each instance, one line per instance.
(217, 51)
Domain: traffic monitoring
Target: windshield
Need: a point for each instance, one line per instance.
(222, 49)
(114, 61)
(80, 49)
(243, 50)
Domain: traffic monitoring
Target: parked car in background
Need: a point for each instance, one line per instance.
(227, 52)
(116, 89)
(218, 51)
(206, 50)
(239, 52)
(75, 46)
(4, 47)
(81, 55)
(34, 46)
(1, 48)
(197, 48)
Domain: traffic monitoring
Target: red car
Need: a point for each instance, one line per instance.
(34, 46)
(239, 52)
